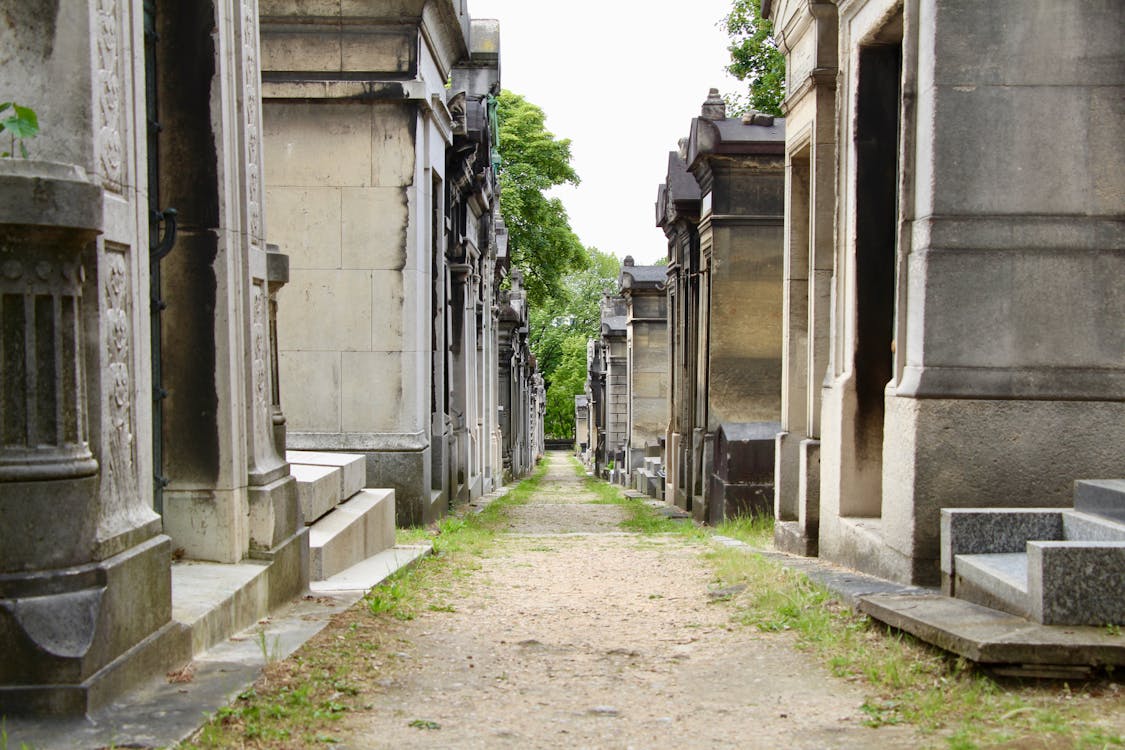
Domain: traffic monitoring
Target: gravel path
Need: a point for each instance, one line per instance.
(576, 635)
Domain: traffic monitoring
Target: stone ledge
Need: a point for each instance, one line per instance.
(353, 474)
(989, 636)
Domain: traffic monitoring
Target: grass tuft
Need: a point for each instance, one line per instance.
(909, 681)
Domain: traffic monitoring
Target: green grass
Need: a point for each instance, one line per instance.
(298, 700)
(907, 681)
(755, 530)
(643, 519)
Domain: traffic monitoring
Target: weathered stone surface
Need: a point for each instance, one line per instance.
(991, 637)
(353, 474)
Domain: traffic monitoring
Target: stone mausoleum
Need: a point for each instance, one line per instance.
(721, 208)
(380, 136)
(954, 319)
(148, 338)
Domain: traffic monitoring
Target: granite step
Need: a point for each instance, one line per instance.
(353, 468)
(1053, 565)
(1101, 497)
(352, 532)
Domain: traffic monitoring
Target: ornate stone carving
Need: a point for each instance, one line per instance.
(259, 343)
(119, 455)
(110, 148)
(43, 424)
(251, 97)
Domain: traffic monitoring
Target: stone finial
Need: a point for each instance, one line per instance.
(628, 262)
(682, 145)
(714, 108)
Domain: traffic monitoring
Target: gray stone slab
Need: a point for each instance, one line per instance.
(992, 637)
(372, 571)
(318, 489)
(1103, 497)
(971, 531)
(1088, 527)
(353, 475)
(1009, 568)
(215, 600)
(1077, 583)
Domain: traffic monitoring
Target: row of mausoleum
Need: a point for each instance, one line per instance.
(252, 311)
(900, 306)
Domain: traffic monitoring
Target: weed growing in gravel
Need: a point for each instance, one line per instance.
(910, 681)
(643, 519)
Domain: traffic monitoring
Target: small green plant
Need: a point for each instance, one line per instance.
(425, 724)
(4, 737)
(270, 652)
(1112, 629)
(22, 123)
(756, 529)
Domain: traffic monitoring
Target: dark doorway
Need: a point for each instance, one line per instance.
(876, 190)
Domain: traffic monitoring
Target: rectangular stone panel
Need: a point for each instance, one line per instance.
(315, 377)
(379, 393)
(330, 311)
(373, 227)
(306, 223)
(326, 144)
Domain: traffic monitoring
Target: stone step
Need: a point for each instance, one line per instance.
(216, 600)
(997, 580)
(353, 466)
(318, 489)
(1101, 497)
(1055, 566)
(354, 531)
(372, 571)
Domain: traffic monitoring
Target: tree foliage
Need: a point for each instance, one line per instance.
(560, 329)
(540, 239)
(755, 58)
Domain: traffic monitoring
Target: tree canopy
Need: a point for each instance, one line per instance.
(533, 160)
(559, 332)
(755, 58)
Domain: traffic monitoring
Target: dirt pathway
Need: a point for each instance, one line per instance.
(575, 635)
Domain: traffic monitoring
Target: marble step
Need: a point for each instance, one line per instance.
(216, 600)
(353, 468)
(318, 489)
(352, 532)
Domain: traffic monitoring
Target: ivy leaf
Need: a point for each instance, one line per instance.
(4, 105)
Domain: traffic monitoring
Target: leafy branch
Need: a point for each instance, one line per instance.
(21, 124)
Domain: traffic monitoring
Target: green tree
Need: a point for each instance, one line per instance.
(574, 311)
(755, 58)
(569, 380)
(560, 329)
(540, 239)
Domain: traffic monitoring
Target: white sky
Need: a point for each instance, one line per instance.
(622, 79)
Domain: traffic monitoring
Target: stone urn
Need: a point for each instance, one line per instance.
(49, 215)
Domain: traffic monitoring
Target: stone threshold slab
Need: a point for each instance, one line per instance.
(975, 632)
(372, 571)
(989, 636)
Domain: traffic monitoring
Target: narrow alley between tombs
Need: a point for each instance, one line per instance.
(574, 633)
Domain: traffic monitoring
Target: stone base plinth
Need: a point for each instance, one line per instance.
(75, 637)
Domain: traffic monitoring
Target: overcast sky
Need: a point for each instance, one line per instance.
(622, 79)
